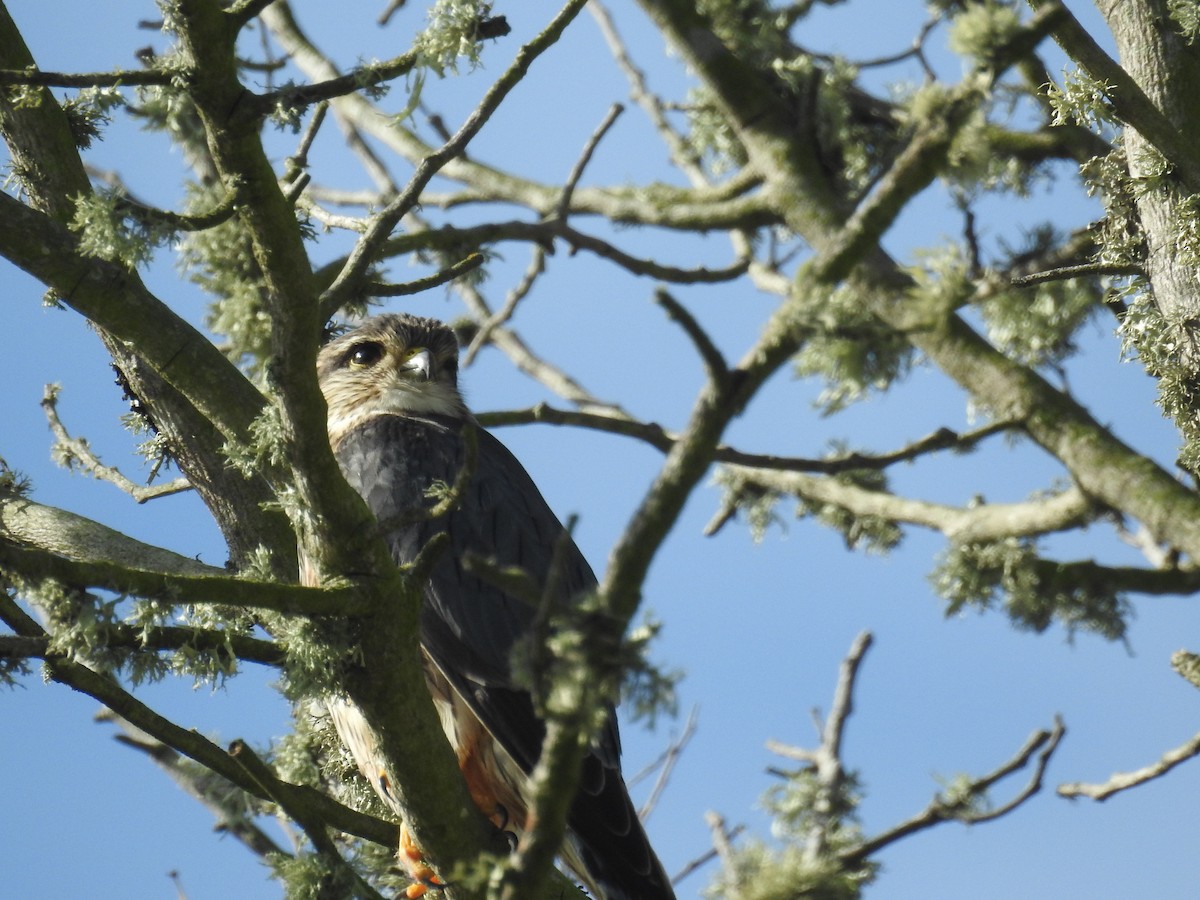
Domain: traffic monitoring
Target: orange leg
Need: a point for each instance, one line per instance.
(413, 860)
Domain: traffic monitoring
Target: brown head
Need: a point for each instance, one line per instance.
(395, 364)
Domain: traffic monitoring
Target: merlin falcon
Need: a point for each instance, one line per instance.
(398, 426)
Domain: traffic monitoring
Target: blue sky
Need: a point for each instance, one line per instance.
(759, 629)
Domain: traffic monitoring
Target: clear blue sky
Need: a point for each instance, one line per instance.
(758, 628)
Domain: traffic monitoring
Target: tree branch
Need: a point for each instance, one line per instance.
(158, 639)
(119, 78)
(986, 522)
(469, 263)
(36, 564)
(368, 247)
(77, 450)
(229, 804)
(1128, 100)
(190, 743)
(1123, 781)
(959, 808)
(829, 804)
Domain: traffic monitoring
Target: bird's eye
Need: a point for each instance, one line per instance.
(364, 355)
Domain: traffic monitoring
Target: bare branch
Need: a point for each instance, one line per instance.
(380, 289)
(298, 161)
(959, 808)
(537, 265)
(708, 856)
(228, 804)
(300, 96)
(826, 759)
(371, 243)
(661, 439)
(77, 450)
(1082, 271)
(119, 78)
(650, 103)
(714, 362)
(515, 348)
(989, 521)
(564, 204)
(722, 839)
(666, 764)
(1123, 781)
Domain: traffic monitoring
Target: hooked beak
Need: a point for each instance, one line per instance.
(420, 363)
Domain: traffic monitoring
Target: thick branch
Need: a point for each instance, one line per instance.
(36, 564)
(1129, 101)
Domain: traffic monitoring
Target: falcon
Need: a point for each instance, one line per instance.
(399, 428)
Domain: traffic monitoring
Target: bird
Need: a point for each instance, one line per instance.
(399, 426)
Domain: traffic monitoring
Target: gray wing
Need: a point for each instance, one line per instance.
(470, 627)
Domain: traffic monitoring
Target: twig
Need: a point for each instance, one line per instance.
(1123, 781)
(648, 267)
(382, 289)
(826, 759)
(228, 803)
(78, 450)
(514, 347)
(371, 162)
(705, 858)
(681, 154)
(546, 232)
(1081, 271)
(298, 161)
(391, 9)
(1041, 744)
(714, 363)
(916, 50)
(722, 839)
(668, 761)
(222, 212)
(661, 439)
(564, 202)
(368, 246)
(300, 96)
(537, 265)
